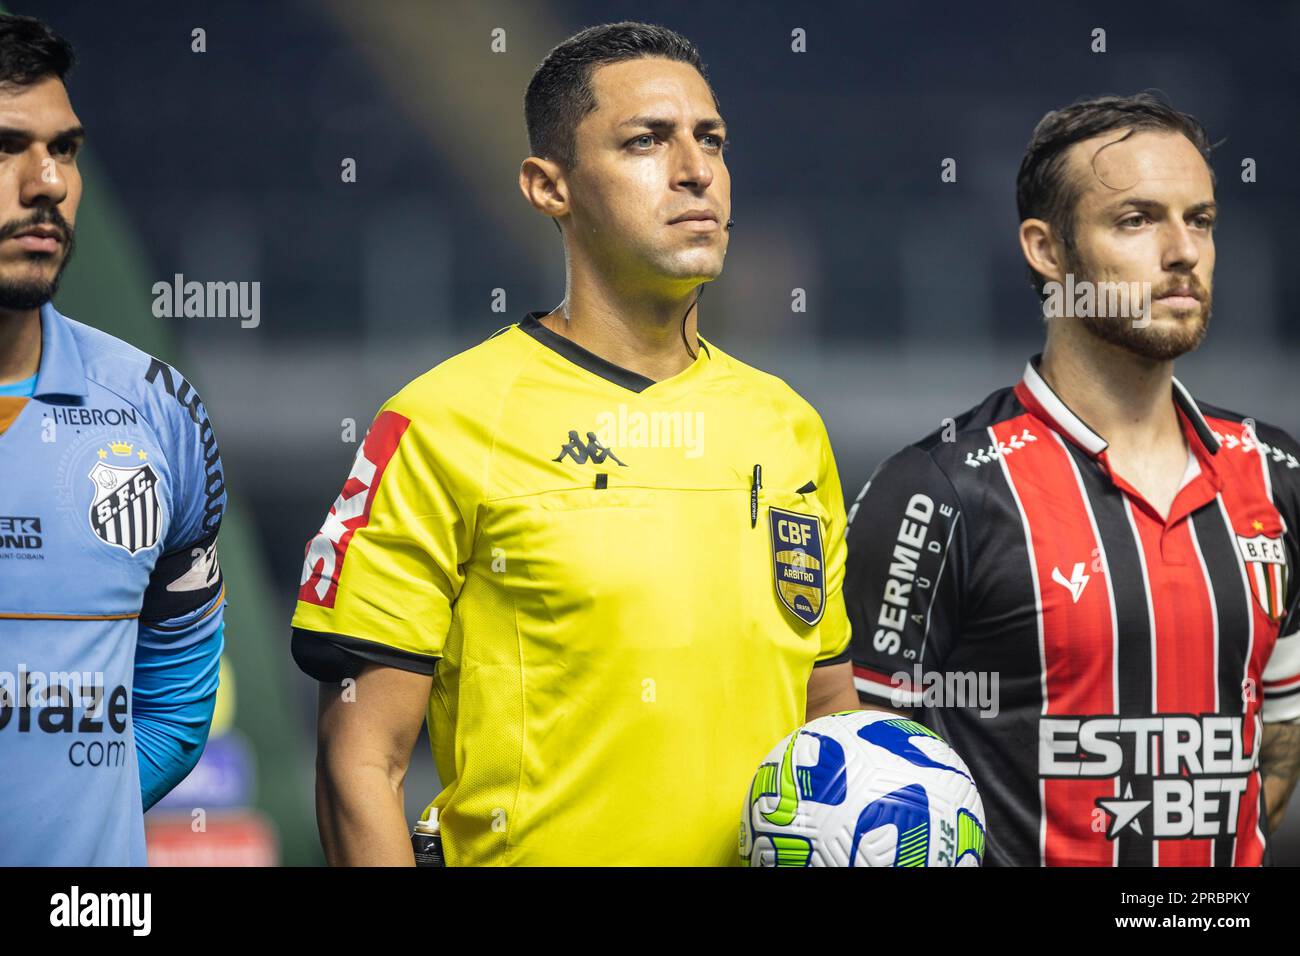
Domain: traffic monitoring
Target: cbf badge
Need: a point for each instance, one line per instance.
(797, 562)
(125, 511)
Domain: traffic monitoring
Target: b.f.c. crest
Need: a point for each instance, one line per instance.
(125, 511)
(1264, 559)
(798, 563)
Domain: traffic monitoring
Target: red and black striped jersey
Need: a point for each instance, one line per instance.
(1104, 671)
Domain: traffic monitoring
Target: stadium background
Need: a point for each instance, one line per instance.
(225, 165)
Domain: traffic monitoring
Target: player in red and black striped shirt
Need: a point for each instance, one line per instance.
(1086, 583)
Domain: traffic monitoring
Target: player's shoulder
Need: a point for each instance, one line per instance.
(1239, 434)
(963, 451)
(1228, 425)
(158, 390)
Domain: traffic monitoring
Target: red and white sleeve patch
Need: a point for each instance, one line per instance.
(1282, 681)
(351, 510)
(896, 690)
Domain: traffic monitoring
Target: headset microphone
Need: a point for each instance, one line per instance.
(699, 292)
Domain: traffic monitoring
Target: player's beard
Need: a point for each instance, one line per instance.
(24, 294)
(1158, 342)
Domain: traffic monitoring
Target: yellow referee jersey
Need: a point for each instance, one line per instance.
(619, 618)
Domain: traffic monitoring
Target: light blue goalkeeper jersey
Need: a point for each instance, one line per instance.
(111, 496)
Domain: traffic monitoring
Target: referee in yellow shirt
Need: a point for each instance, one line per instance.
(599, 555)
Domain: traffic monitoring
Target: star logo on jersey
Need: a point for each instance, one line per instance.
(125, 511)
(592, 451)
(1264, 559)
(797, 563)
(1076, 582)
(1123, 813)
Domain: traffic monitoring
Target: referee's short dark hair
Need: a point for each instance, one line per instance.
(1044, 189)
(31, 51)
(560, 93)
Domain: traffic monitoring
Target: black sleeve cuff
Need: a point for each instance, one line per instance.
(332, 657)
(841, 658)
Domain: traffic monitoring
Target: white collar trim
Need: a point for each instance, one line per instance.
(1079, 431)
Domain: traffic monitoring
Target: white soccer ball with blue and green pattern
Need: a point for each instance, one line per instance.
(863, 788)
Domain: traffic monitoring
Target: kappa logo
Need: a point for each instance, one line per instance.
(1076, 582)
(990, 453)
(593, 451)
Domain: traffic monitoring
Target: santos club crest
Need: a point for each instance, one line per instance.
(797, 561)
(125, 511)
(1265, 561)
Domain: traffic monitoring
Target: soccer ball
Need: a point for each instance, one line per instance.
(862, 788)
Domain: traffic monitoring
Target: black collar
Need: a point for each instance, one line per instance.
(575, 353)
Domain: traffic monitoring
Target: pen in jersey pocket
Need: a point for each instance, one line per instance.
(753, 495)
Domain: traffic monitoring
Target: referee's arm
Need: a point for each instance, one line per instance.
(363, 748)
(830, 690)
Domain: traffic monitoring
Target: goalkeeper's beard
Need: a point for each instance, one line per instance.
(25, 294)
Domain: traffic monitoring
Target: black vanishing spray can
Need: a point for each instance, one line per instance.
(426, 841)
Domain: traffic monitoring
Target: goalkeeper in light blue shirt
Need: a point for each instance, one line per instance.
(111, 496)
